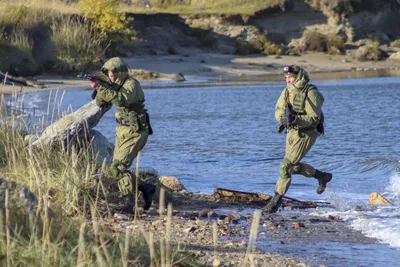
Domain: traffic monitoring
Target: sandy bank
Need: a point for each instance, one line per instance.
(216, 67)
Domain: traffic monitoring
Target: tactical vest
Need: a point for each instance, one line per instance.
(133, 115)
(298, 105)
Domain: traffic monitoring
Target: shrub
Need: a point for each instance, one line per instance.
(370, 51)
(242, 47)
(315, 41)
(272, 49)
(335, 41)
(395, 43)
(80, 46)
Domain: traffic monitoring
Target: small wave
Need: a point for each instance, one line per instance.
(385, 226)
(394, 187)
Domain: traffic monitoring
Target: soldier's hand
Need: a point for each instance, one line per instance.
(94, 93)
(94, 83)
(288, 120)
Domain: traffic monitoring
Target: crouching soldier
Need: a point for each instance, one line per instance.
(132, 130)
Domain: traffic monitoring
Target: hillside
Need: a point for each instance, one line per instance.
(363, 30)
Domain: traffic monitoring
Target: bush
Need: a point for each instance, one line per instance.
(80, 46)
(370, 51)
(335, 41)
(315, 41)
(242, 47)
(272, 49)
(395, 43)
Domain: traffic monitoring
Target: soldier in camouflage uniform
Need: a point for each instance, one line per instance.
(133, 126)
(304, 124)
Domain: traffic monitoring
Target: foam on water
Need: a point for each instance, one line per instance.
(394, 187)
(380, 222)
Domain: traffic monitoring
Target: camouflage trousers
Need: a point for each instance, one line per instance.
(297, 146)
(128, 142)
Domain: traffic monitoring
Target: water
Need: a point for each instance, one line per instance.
(225, 137)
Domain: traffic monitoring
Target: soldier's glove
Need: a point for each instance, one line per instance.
(94, 93)
(289, 120)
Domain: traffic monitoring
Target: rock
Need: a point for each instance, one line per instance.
(101, 148)
(395, 56)
(377, 199)
(212, 214)
(190, 229)
(333, 218)
(298, 225)
(216, 263)
(172, 183)
(204, 213)
(179, 77)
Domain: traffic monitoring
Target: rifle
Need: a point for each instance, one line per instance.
(288, 112)
(93, 77)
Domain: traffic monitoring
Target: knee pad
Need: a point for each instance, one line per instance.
(125, 184)
(116, 169)
(286, 169)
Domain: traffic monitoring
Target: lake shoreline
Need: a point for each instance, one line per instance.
(196, 218)
(202, 70)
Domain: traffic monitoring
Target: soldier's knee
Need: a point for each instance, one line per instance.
(286, 169)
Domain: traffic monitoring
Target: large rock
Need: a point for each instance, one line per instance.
(395, 56)
(172, 183)
(18, 196)
(377, 199)
(101, 148)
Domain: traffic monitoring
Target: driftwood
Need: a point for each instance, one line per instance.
(8, 79)
(259, 199)
(71, 128)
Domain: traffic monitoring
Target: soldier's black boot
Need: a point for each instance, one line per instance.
(273, 204)
(129, 205)
(323, 178)
(148, 191)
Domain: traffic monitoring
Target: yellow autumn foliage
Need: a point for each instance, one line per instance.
(105, 15)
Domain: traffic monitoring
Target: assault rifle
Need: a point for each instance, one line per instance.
(287, 116)
(92, 78)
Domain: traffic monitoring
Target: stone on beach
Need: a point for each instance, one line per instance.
(377, 199)
(171, 182)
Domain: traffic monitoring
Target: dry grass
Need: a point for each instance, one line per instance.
(54, 229)
(243, 7)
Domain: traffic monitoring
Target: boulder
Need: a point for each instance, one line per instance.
(377, 199)
(101, 147)
(395, 56)
(179, 77)
(172, 183)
